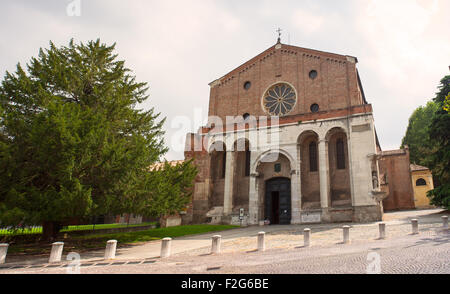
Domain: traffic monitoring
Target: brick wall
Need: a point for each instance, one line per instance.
(335, 86)
(395, 164)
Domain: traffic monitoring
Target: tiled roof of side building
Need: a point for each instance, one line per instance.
(416, 167)
(393, 152)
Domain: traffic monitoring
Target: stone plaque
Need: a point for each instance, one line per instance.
(311, 217)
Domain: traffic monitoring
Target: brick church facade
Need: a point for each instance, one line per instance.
(290, 139)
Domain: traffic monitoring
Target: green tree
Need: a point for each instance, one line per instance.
(168, 189)
(417, 134)
(72, 142)
(447, 103)
(440, 136)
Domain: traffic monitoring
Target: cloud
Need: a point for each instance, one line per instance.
(306, 21)
(405, 41)
(178, 47)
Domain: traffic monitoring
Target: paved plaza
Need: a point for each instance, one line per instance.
(400, 252)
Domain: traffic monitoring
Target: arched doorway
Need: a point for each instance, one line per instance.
(278, 201)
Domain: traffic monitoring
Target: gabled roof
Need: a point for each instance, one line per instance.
(416, 167)
(278, 46)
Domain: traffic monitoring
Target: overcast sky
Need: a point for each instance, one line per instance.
(178, 47)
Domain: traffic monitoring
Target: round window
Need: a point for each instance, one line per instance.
(279, 100)
(314, 107)
(247, 85)
(313, 74)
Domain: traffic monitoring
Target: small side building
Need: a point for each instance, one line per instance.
(422, 182)
(396, 179)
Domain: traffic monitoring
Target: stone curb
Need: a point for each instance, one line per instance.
(83, 264)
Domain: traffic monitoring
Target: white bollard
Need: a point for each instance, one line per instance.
(215, 248)
(57, 250)
(3, 252)
(306, 237)
(382, 227)
(165, 247)
(261, 244)
(346, 234)
(110, 251)
(445, 221)
(415, 226)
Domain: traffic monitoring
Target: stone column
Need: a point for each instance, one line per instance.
(3, 252)
(323, 174)
(295, 197)
(253, 200)
(228, 190)
(56, 254)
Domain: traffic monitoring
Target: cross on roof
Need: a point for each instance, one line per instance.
(279, 34)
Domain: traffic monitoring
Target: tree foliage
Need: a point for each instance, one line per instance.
(417, 134)
(168, 189)
(74, 144)
(440, 136)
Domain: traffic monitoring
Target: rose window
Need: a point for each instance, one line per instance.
(279, 100)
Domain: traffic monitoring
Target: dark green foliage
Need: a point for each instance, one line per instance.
(167, 190)
(417, 134)
(440, 136)
(72, 142)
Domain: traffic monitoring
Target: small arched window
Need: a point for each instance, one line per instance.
(313, 157)
(340, 154)
(421, 182)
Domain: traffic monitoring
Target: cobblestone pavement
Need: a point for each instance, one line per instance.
(400, 252)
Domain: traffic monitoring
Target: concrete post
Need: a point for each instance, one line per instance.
(445, 221)
(56, 254)
(415, 226)
(110, 251)
(382, 228)
(261, 243)
(216, 240)
(165, 247)
(306, 237)
(346, 234)
(3, 252)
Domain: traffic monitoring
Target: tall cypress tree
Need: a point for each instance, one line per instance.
(72, 141)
